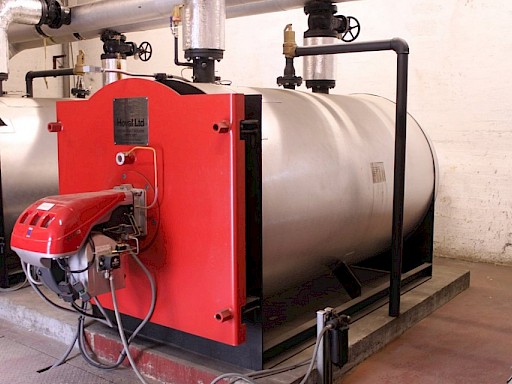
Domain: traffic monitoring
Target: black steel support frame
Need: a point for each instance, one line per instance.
(397, 237)
(30, 76)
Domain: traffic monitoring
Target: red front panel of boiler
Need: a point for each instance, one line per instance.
(195, 245)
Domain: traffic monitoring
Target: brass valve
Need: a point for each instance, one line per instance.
(289, 44)
(80, 62)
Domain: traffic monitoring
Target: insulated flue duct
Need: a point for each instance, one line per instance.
(24, 12)
(90, 20)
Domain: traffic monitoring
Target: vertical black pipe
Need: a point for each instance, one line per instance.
(397, 237)
(4, 277)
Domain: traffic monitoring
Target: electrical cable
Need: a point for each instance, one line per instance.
(66, 269)
(155, 197)
(102, 310)
(89, 315)
(237, 376)
(46, 299)
(85, 354)
(121, 331)
(122, 355)
(315, 353)
(43, 296)
(274, 371)
(250, 377)
(123, 72)
(29, 275)
(66, 354)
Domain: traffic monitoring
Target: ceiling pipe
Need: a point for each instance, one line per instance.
(18, 11)
(90, 20)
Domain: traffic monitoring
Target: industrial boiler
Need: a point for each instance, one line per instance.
(326, 195)
(219, 218)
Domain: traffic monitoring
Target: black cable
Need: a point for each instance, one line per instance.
(83, 313)
(67, 270)
(45, 298)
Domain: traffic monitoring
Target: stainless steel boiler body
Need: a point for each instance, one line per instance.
(328, 180)
(28, 155)
(327, 175)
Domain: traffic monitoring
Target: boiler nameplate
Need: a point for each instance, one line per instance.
(131, 121)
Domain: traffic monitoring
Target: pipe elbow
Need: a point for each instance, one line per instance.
(399, 45)
(23, 12)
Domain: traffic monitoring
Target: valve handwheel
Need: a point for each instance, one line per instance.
(145, 51)
(352, 30)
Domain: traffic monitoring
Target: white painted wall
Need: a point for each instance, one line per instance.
(460, 91)
(38, 59)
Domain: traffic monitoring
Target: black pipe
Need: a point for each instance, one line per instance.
(3, 77)
(31, 75)
(4, 276)
(397, 237)
(176, 59)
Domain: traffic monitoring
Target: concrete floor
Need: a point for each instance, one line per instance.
(468, 340)
(24, 353)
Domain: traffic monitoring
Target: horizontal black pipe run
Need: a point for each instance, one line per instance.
(30, 76)
(401, 48)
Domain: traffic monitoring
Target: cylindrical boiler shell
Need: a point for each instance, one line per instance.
(28, 155)
(328, 165)
(328, 181)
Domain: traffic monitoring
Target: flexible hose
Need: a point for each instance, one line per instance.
(102, 310)
(150, 312)
(236, 376)
(64, 357)
(121, 331)
(315, 353)
(250, 377)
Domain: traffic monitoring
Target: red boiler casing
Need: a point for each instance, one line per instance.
(195, 246)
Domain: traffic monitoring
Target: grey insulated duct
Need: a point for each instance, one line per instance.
(89, 20)
(18, 11)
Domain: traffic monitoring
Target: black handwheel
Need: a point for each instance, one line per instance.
(352, 31)
(145, 51)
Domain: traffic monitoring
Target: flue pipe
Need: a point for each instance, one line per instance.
(18, 11)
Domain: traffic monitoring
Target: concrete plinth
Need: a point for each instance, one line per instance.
(170, 364)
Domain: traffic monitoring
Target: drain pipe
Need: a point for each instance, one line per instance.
(18, 11)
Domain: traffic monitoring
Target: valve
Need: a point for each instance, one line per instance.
(350, 30)
(115, 44)
(145, 51)
(55, 15)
